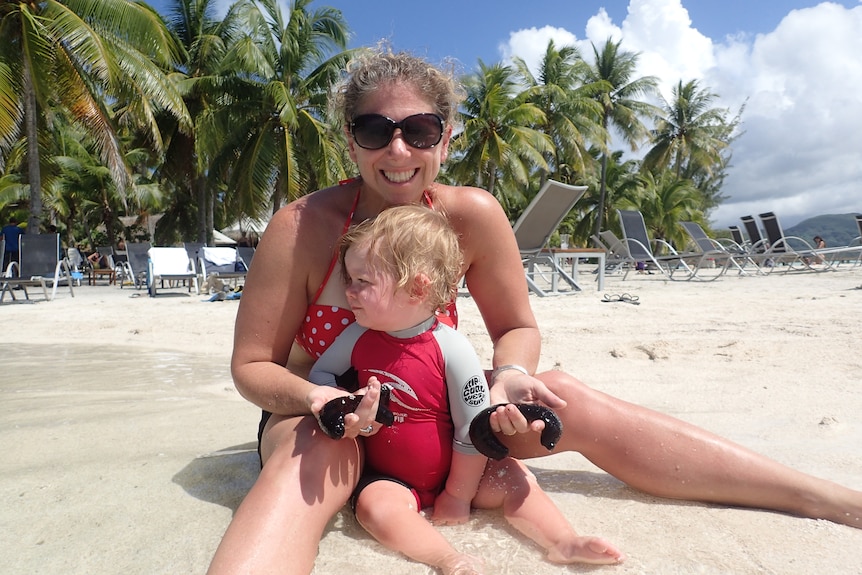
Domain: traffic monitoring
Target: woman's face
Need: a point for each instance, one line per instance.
(398, 171)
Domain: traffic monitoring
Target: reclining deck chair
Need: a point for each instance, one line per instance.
(40, 264)
(713, 250)
(533, 231)
(221, 262)
(170, 264)
(795, 252)
(638, 243)
(136, 264)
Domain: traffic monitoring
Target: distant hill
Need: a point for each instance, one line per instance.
(836, 229)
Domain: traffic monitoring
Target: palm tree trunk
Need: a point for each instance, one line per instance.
(600, 218)
(31, 120)
(201, 189)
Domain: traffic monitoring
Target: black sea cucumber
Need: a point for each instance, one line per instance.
(489, 445)
(331, 417)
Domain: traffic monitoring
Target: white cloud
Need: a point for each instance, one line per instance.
(801, 151)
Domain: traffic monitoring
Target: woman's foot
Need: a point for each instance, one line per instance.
(593, 550)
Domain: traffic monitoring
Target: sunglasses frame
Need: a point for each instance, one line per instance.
(392, 125)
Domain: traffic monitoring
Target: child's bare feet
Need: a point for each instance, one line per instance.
(593, 550)
(462, 564)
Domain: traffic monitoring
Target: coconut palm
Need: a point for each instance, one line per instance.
(621, 104)
(206, 37)
(276, 143)
(499, 142)
(94, 60)
(690, 134)
(570, 108)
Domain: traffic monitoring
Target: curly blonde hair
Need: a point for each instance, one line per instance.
(372, 69)
(408, 241)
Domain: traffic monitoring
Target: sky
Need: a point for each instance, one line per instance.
(793, 64)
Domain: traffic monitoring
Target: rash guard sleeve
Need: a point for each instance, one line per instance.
(337, 359)
(466, 383)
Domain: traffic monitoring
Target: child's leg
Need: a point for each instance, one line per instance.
(510, 485)
(388, 511)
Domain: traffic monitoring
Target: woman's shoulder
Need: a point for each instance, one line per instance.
(467, 201)
(319, 208)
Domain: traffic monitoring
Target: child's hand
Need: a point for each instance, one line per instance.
(449, 510)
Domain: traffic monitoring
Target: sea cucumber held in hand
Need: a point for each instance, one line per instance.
(489, 445)
(331, 417)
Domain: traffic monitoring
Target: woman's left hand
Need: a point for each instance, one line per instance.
(511, 387)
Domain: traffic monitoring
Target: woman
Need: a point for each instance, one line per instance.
(398, 113)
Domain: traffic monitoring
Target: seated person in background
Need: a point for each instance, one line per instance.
(819, 244)
(97, 260)
(402, 270)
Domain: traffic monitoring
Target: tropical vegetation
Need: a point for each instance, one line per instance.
(111, 114)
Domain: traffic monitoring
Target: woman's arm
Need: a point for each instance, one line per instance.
(274, 303)
(496, 280)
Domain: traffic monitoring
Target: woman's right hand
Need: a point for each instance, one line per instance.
(364, 415)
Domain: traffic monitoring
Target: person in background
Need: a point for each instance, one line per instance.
(12, 234)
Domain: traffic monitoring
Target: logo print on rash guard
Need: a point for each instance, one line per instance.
(473, 392)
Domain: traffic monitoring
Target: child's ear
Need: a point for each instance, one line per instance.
(419, 289)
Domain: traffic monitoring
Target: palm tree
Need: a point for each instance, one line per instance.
(570, 108)
(80, 58)
(690, 134)
(621, 105)
(276, 143)
(499, 142)
(206, 38)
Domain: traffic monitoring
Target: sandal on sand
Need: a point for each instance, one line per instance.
(624, 298)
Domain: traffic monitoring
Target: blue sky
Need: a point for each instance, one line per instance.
(792, 63)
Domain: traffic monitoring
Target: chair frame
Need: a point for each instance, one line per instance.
(30, 274)
(536, 225)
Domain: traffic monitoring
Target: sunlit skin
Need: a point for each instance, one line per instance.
(307, 478)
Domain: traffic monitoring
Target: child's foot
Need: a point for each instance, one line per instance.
(593, 550)
(463, 564)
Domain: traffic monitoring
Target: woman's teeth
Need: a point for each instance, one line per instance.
(399, 177)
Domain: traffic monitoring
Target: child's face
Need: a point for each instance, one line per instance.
(372, 296)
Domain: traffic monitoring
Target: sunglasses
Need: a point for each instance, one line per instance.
(373, 131)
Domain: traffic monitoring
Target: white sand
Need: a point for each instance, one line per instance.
(126, 448)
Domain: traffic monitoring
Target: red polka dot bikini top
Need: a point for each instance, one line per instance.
(324, 323)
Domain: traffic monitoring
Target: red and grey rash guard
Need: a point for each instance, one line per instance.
(438, 387)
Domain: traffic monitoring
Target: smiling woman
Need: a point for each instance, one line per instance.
(307, 477)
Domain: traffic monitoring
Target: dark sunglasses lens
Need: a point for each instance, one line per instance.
(422, 130)
(372, 131)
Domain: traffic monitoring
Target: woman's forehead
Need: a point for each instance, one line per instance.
(395, 101)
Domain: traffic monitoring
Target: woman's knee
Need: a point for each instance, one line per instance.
(295, 449)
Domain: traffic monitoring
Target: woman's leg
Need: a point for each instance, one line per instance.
(510, 485)
(388, 511)
(667, 457)
(306, 478)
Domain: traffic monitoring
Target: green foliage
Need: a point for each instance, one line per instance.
(209, 119)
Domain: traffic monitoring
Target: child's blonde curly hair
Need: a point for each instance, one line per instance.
(408, 241)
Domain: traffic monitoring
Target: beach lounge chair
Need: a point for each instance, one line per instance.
(738, 239)
(616, 253)
(715, 254)
(794, 252)
(136, 264)
(533, 231)
(194, 251)
(246, 254)
(40, 264)
(170, 264)
(636, 239)
(221, 262)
